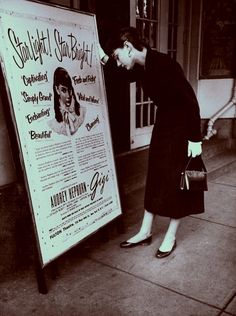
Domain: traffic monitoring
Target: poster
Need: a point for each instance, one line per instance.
(50, 60)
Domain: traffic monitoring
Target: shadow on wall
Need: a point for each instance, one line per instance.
(17, 246)
(7, 168)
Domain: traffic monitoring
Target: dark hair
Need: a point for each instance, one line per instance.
(126, 34)
(62, 77)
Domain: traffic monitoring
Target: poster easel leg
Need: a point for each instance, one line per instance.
(41, 280)
(39, 270)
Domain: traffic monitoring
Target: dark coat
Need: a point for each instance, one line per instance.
(177, 121)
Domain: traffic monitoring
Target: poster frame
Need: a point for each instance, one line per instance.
(16, 130)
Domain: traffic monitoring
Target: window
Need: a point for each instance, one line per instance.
(218, 39)
(146, 20)
(147, 25)
(173, 28)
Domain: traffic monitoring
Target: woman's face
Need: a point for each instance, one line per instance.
(65, 94)
(124, 58)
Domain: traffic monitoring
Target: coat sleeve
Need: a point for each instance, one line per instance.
(189, 101)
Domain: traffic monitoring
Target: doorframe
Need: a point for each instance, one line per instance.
(140, 137)
(192, 40)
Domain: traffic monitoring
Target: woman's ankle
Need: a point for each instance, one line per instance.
(139, 237)
(167, 243)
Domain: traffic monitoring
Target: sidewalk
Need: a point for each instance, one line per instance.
(99, 278)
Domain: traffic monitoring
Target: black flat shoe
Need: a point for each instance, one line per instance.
(145, 242)
(162, 254)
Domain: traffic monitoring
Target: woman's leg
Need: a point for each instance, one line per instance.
(146, 228)
(170, 235)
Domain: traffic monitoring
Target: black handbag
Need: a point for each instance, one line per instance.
(192, 179)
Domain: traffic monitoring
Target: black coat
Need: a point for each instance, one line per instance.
(177, 121)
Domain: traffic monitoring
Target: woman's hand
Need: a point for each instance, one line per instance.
(194, 148)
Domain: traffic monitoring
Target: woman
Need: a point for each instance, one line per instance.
(68, 113)
(176, 135)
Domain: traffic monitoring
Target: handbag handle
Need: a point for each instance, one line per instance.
(204, 168)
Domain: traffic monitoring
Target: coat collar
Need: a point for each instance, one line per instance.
(149, 58)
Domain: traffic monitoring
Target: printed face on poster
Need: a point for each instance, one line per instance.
(51, 64)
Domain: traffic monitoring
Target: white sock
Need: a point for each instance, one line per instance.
(167, 244)
(169, 238)
(145, 230)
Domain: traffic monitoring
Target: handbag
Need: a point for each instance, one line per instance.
(194, 180)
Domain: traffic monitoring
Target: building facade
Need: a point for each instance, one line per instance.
(198, 34)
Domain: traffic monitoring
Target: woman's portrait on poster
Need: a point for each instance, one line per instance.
(69, 115)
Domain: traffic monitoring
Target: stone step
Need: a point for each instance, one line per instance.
(214, 147)
(221, 164)
(132, 166)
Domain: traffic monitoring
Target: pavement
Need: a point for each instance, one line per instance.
(99, 278)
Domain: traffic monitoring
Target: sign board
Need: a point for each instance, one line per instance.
(50, 60)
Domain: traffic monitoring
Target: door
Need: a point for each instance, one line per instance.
(156, 20)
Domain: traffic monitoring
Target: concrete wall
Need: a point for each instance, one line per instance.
(17, 245)
(213, 95)
(7, 168)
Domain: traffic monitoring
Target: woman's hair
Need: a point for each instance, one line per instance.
(62, 77)
(129, 34)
